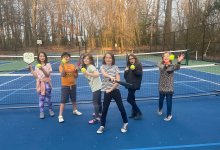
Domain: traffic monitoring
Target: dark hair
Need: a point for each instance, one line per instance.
(134, 56)
(65, 54)
(45, 55)
(90, 59)
(112, 56)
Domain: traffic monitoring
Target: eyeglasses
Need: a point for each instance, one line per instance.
(131, 58)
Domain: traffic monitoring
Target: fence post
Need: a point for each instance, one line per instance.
(187, 57)
(187, 36)
(203, 40)
(174, 40)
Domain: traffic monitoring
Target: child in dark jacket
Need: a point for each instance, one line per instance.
(166, 82)
(133, 74)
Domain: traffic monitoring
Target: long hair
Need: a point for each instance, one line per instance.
(112, 56)
(134, 56)
(45, 55)
(91, 60)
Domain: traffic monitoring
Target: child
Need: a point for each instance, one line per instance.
(133, 74)
(166, 82)
(68, 79)
(95, 84)
(42, 73)
(110, 73)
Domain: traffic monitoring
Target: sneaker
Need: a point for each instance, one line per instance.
(124, 128)
(168, 118)
(93, 115)
(132, 114)
(42, 115)
(100, 130)
(60, 119)
(159, 112)
(138, 116)
(93, 121)
(51, 113)
(76, 112)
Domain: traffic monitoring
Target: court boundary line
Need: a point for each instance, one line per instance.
(141, 99)
(15, 91)
(198, 78)
(177, 146)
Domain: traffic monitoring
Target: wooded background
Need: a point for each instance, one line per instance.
(118, 25)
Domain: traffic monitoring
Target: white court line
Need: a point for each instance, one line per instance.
(13, 80)
(15, 91)
(200, 79)
(197, 78)
(153, 83)
(16, 80)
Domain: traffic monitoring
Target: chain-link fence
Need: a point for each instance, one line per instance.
(202, 41)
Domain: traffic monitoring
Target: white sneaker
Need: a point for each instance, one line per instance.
(100, 130)
(51, 113)
(41, 115)
(76, 112)
(60, 119)
(159, 112)
(124, 128)
(168, 118)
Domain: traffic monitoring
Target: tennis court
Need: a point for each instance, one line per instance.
(195, 109)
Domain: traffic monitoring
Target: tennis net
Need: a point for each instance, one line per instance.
(15, 64)
(197, 80)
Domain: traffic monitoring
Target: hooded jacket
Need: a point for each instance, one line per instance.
(134, 76)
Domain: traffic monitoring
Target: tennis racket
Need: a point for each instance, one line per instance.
(126, 59)
(28, 57)
(79, 62)
(123, 83)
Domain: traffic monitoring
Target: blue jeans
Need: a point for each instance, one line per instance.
(97, 103)
(169, 97)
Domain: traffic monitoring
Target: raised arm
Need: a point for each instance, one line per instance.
(32, 71)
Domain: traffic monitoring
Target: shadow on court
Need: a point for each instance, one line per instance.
(195, 126)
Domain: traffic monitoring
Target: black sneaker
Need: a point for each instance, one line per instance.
(138, 116)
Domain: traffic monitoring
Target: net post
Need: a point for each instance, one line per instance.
(187, 57)
(97, 61)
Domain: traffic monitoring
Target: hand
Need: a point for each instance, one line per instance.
(126, 68)
(30, 67)
(85, 73)
(181, 57)
(108, 91)
(75, 71)
(112, 79)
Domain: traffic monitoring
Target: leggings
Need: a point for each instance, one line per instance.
(46, 97)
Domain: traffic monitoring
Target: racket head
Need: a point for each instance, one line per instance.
(28, 57)
(79, 62)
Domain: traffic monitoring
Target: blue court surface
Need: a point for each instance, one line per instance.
(195, 126)
(20, 88)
